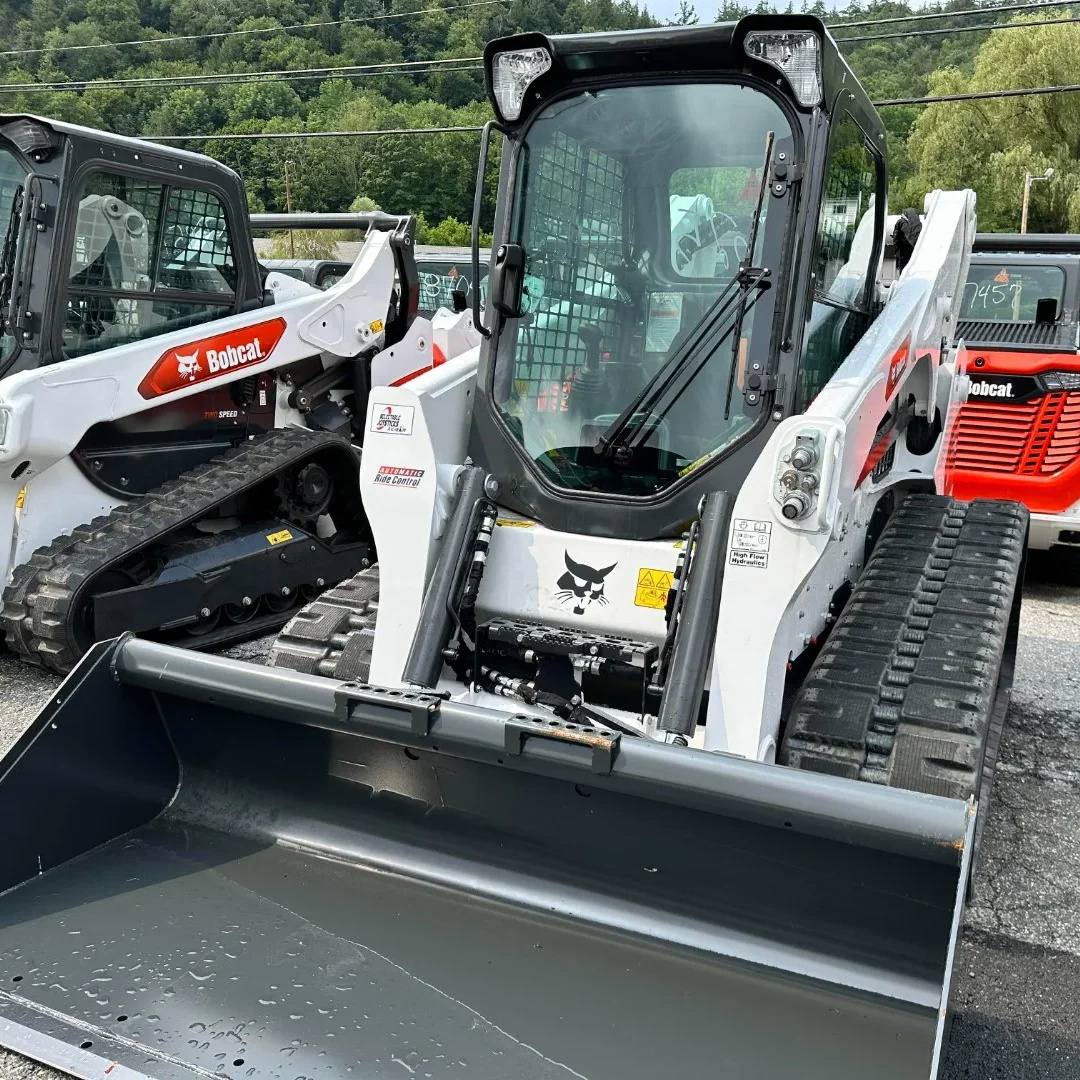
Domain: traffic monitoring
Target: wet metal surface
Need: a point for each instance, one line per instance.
(1018, 966)
(313, 969)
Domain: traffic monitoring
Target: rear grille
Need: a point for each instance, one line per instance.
(1008, 333)
(1035, 438)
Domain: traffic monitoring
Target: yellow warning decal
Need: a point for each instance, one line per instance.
(652, 587)
(279, 537)
(20, 499)
(512, 524)
(376, 326)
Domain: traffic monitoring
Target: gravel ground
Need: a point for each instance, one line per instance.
(1018, 965)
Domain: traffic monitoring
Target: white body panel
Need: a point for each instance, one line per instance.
(527, 577)
(54, 502)
(768, 615)
(1045, 530)
(414, 445)
(49, 409)
(780, 574)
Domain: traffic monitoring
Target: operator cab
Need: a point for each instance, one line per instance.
(689, 252)
(150, 239)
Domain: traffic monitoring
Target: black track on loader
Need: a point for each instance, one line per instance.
(333, 635)
(148, 569)
(912, 687)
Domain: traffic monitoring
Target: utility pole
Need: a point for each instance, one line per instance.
(1029, 179)
(288, 209)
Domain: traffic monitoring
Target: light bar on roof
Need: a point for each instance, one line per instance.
(797, 53)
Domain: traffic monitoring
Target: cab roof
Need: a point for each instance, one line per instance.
(678, 51)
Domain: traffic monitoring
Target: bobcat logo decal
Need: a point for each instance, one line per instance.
(582, 585)
(187, 367)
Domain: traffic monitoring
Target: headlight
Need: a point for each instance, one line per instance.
(5, 423)
(1052, 380)
(797, 53)
(511, 75)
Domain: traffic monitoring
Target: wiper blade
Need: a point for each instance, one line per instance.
(677, 371)
(719, 308)
(680, 369)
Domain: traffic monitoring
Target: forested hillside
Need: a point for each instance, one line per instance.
(198, 67)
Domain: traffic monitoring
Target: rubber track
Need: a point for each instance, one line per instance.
(334, 634)
(37, 605)
(907, 691)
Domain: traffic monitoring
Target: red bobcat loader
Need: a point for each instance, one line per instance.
(1017, 433)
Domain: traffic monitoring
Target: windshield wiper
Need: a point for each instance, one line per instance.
(623, 431)
(745, 267)
(679, 370)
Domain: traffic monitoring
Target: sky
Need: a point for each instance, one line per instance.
(706, 9)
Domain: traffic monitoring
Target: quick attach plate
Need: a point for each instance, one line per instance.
(383, 710)
(604, 744)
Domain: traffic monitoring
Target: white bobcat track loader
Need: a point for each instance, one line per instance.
(658, 740)
(175, 430)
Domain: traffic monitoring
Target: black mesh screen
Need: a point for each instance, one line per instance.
(575, 231)
(137, 245)
(193, 239)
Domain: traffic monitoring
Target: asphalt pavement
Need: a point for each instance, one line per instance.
(1017, 972)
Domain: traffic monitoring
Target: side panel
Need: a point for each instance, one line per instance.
(414, 442)
(54, 502)
(776, 601)
(1016, 438)
(586, 583)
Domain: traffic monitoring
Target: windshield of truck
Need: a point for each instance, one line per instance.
(635, 207)
(441, 278)
(12, 177)
(1010, 292)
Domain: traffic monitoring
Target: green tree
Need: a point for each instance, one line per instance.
(304, 244)
(687, 15)
(987, 145)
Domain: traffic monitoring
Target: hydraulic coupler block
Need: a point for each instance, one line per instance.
(799, 475)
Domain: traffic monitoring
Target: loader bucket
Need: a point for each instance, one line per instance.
(216, 869)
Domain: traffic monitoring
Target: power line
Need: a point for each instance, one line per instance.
(950, 14)
(314, 134)
(237, 33)
(961, 29)
(980, 95)
(219, 78)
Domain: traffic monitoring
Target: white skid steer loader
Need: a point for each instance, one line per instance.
(176, 425)
(657, 741)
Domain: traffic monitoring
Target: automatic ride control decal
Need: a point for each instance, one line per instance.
(211, 357)
(398, 476)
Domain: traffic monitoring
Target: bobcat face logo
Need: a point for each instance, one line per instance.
(187, 367)
(582, 585)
